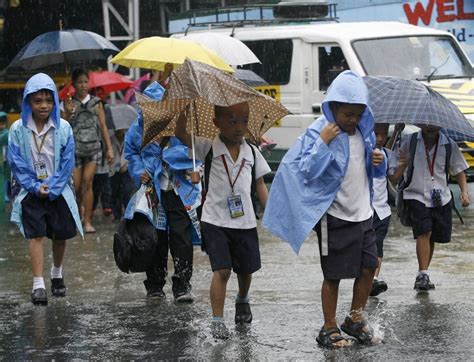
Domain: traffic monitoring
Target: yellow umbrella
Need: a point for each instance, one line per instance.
(154, 52)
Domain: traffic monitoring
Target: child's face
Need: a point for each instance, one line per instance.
(42, 104)
(233, 122)
(82, 86)
(429, 130)
(347, 116)
(381, 134)
(3, 124)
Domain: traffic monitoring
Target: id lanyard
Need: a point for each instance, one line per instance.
(431, 163)
(40, 147)
(228, 174)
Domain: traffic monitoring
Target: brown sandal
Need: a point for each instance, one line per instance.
(325, 338)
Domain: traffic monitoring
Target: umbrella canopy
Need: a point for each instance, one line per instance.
(232, 50)
(63, 46)
(109, 81)
(398, 100)
(154, 52)
(202, 87)
(250, 78)
(123, 115)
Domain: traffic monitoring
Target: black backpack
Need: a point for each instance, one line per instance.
(402, 205)
(135, 244)
(85, 127)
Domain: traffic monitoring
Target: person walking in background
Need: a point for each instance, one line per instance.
(324, 183)
(434, 158)
(3, 157)
(87, 117)
(382, 210)
(41, 155)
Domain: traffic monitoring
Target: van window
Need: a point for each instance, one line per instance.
(331, 63)
(276, 56)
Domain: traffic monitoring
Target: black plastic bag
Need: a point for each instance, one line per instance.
(135, 244)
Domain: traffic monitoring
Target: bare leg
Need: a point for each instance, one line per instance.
(59, 246)
(36, 255)
(244, 284)
(329, 295)
(88, 196)
(424, 251)
(377, 271)
(432, 247)
(360, 293)
(218, 291)
(77, 178)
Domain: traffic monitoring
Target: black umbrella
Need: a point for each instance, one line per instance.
(250, 78)
(398, 100)
(63, 46)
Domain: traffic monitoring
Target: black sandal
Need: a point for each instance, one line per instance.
(355, 329)
(326, 340)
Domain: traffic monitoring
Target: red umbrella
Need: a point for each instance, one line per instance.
(66, 92)
(109, 81)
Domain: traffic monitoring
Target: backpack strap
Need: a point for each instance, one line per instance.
(411, 160)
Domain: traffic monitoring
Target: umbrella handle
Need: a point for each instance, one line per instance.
(195, 176)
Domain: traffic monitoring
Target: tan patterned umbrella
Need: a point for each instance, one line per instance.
(202, 86)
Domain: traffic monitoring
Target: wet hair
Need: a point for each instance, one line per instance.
(42, 91)
(381, 127)
(76, 73)
(220, 111)
(334, 105)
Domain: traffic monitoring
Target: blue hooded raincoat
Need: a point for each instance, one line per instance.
(311, 173)
(151, 158)
(20, 156)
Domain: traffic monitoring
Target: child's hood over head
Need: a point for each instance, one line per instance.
(34, 84)
(349, 87)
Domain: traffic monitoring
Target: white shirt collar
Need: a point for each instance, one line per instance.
(219, 149)
(32, 125)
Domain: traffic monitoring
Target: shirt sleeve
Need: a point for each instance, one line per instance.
(202, 146)
(457, 163)
(261, 165)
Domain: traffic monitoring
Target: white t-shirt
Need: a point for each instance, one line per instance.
(47, 150)
(352, 202)
(215, 210)
(421, 184)
(380, 200)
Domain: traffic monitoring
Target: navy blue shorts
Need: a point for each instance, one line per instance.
(381, 230)
(351, 247)
(235, 249)
(437, 220)
(45, 217)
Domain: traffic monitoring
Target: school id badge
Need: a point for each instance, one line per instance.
(235, 206)
(41, 170)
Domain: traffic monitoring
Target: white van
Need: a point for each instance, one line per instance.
(300, 61)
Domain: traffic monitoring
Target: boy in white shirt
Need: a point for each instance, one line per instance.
(429, 198)
(229, 226)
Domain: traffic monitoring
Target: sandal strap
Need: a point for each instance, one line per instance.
(328, 331)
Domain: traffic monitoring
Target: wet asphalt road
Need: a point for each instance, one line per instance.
(106, 314)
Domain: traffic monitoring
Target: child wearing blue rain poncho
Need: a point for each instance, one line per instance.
(165, 165)
(325, 182)
(41, 157)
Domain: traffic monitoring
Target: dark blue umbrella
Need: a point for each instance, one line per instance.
(398, 100)
(63, 46)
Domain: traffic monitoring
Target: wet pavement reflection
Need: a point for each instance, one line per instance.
(106, 314)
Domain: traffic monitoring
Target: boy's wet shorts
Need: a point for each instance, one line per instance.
(438, 220)
(81, 161)
(351, 247)
(45, 217)
(235, 249)
(381, 230)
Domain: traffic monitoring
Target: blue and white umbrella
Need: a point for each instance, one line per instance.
(398, 100)
(63, 46)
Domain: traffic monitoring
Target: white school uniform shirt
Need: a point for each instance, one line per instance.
(352, 202)
(380, 198)
(421, 184)
(215, 210)
(47, 151)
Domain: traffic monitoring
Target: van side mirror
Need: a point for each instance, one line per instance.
(316, 108)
